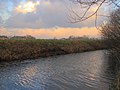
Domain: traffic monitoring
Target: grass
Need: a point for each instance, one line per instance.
(32, 49)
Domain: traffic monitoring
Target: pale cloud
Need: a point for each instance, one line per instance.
(58, 32)
(25, 7)
(46, 3)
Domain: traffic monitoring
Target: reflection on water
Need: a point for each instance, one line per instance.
(83, 71)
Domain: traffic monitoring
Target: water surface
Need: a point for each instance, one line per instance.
(82, 71)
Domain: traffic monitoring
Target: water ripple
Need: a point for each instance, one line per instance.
(84, 71)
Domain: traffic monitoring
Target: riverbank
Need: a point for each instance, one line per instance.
(32, 49)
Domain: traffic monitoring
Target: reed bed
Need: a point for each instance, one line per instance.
(33, 49)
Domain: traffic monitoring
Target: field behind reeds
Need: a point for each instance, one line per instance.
(33, 49)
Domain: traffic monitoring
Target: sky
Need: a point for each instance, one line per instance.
(46, 19)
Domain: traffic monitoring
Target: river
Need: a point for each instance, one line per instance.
(81, 71)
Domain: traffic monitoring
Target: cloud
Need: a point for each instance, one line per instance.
(26, 7)
(58, 32)
(1, 22)
(40, 19)
(46, 14)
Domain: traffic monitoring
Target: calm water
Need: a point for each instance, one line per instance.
(83, 71)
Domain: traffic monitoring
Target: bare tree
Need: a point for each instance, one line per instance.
(75, 17)
(111, 33)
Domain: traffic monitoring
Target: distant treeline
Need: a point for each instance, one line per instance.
(28, 37)
(36, 48)
(17, 37)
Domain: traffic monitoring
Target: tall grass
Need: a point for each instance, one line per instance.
(31, 49)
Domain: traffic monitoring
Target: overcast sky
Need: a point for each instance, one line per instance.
(45, 19)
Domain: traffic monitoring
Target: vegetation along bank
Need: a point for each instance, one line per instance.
(14, 49)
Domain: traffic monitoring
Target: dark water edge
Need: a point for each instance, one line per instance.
(80, 71)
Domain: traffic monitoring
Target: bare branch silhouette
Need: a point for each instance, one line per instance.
(111, 32)
(87, 4)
